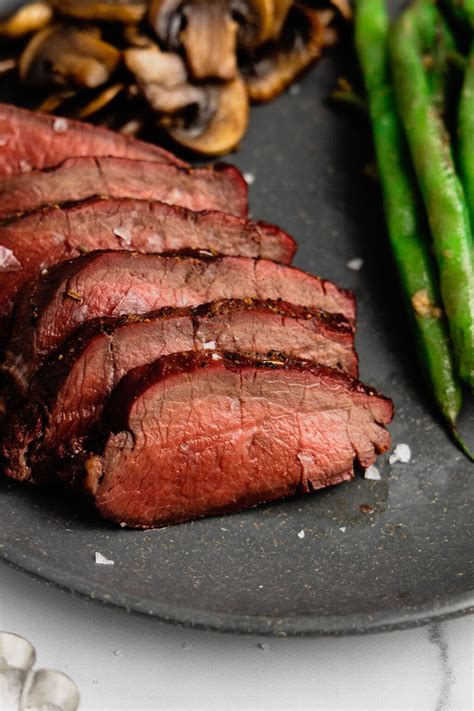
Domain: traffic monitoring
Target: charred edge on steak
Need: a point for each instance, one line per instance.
(35, 299)
(105, 480)
(221, 187)
(51, 146)
(137, 380)
(25, 443)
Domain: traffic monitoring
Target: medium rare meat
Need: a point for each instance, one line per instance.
(50, 235)
(218, 188)
(67, 397)
(34, 141)
(116, 283)
(194, 435)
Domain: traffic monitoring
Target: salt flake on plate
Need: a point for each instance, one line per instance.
(8, 261)
(401, 453)
(301, 534)
(102, 560)
(355, 264)
(372, 473)
(343, 529)
(249, 178)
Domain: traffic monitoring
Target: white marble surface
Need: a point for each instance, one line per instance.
(128, 662)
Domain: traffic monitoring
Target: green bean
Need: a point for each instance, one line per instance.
(438, 65)
(466, 134)
(440, 186)
(404, 213)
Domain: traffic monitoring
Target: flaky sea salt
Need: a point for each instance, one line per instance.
(216, 356)
(3, 142)
(355, 264)
(401, 453)
(25, 167)
(123, 234)
(60, 125)
(372, 473)
(301, 534)
(209, 345)
(102, 560)
(343, 529)
(249, 178)
(8, 261)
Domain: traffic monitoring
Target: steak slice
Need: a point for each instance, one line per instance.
(191, 436)
(67, 396)
(34, 141)
(116, 283)
(50, 235)
(218, 188)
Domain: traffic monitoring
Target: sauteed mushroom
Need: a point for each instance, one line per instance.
(276, 66)
(64, 56)
(109, 10)
(99, 102)
(209, 30)
(224, 129)
(204, 29)
(163, 79)
(207, 118)
(24, 20)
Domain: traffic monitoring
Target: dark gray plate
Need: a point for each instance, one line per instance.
(407, 562)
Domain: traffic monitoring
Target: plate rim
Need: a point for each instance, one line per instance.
(440, 609)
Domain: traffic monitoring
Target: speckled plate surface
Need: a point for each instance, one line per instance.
(409, 561)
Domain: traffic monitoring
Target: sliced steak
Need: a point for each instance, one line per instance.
(50, 235)
(67, 396)
(193, 436)
(34, 141)
(116, 283)
(217, 188)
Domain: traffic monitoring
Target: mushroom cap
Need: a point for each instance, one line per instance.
(26, 19)
(209, 118)
(224, 130)
(108, 10)
(61, 55)
(203, 29)
(277, 65)
(209, 31)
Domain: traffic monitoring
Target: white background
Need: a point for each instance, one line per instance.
(129, 662)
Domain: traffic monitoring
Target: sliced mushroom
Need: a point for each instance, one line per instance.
(25, 20)
(135, 37)
(209, 31)
(163, 79)
(207, 118)
(65, 56)
(281, 9)
(204, 29)
(255, 19)
(277, 65)
(53, 102)
(103, 98)
(7, 65)
(224, 129)
(109, 10)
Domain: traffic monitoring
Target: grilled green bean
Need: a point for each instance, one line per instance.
(440, 186)
(404, 212)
